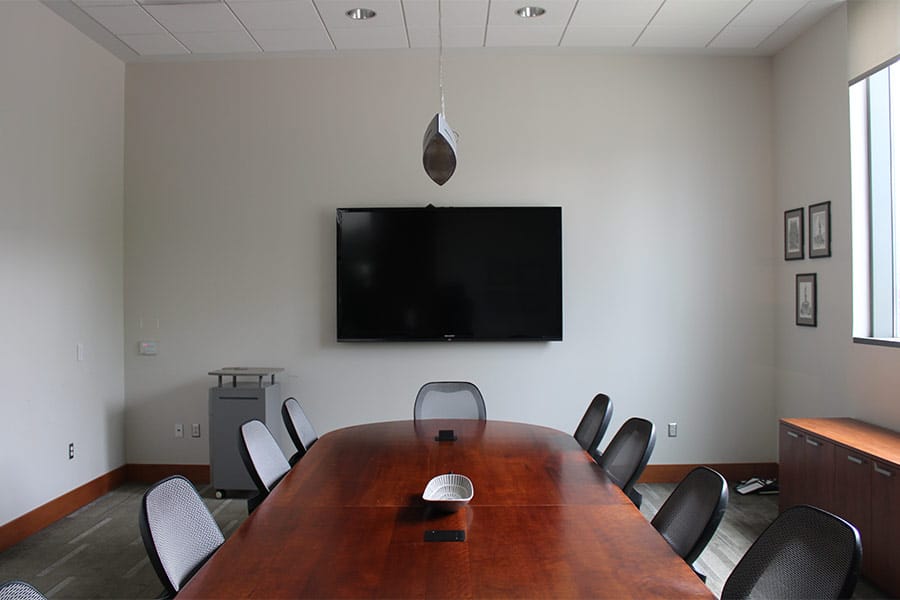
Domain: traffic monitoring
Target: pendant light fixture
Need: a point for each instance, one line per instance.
(439, 143)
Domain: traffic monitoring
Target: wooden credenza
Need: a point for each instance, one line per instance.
(852, 469)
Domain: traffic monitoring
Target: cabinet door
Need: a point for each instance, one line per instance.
(852, 492)
(818, 464)
(790, 466)
(884, 560)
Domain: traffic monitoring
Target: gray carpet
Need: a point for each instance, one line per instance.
(97, 551)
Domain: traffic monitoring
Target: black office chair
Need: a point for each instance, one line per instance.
(263, 458)
(178, 530)
(449, 400)
(302, 433)
(627, 454)
(594, 422)
(691, 514)
(805, 553)
(19, 590)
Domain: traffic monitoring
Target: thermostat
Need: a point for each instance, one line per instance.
(149, 348)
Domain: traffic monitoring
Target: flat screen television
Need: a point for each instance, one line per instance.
(460, 273)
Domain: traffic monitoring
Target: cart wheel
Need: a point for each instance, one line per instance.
(220, 494)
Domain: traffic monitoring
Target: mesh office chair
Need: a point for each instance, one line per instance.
(627, 455)
(178, 530)
(263, 458)
(594, 422)
(449, 400)
(691, 514)
(298, 427)
(19, 590)
(805, 553)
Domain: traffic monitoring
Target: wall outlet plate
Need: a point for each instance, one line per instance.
(673, 429)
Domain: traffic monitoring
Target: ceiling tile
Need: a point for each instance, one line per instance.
(741, 37)
(153, 44)
(388, 13)
(375, 37)
(811, 12)
(456, 37)
(767, 13)
(192, 18)
(422, 14)
(503, 13)
(697, 13)
(523, 36)
(614, 13)
(676, 37)
(83, 3)
(129, 18)
(218, 42)
(284, 40)
(276, 14)
(601, 36)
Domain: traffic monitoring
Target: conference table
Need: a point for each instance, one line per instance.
(349, 521)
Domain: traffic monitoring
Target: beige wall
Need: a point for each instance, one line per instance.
(61, 188)
(821, 372)
(812, 154)
(663, 167)
(873, 34)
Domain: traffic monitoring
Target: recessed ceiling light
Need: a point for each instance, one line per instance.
(360, 14)
(527, 12)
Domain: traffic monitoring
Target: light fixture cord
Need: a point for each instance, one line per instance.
(441, 57)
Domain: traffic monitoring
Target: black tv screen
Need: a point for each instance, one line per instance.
(475, 274)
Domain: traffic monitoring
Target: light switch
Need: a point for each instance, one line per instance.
(79, 352)
(148, 348)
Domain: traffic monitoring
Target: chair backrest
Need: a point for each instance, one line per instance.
(19, 590)
(628, 452)
(594, 422)
(178, 531)
(449, 400)
(805, 553)
(262, 456)
(692, 512)
(298, 427)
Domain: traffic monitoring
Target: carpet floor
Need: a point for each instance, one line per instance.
(97, 552)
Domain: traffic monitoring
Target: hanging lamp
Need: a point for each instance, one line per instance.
(439, 143)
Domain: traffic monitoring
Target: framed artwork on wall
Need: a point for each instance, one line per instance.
(820, 230)
(806, 299)
(793, 234)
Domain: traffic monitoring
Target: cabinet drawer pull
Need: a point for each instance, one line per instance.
(813, 442)
(792, 434)
(854, 460)
(881, 471)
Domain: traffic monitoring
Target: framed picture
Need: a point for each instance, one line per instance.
(793, 234)
(820, 230)
(806, 299)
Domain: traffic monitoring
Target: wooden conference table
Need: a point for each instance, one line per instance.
(349, 521)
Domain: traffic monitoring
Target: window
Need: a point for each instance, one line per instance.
(875, 170)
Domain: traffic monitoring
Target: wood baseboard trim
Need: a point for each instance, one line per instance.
(730, 471)
(31, 522)
(198, 474)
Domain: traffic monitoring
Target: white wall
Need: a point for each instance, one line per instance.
(820, 371)
(663, 167)
(61, 188)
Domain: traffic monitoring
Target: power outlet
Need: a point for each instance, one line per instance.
(673, 429)
(71, 451)
(179, 430)
(195, 430)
